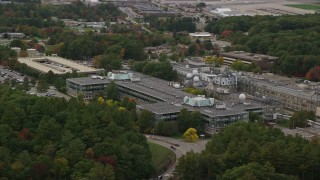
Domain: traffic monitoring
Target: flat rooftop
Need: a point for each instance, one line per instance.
(88, 80)
(200, 34)
(172, 98)
(57, 65)
(182, 69)
(281, 84)
(248, 56)
(232, 107)
(154, 87)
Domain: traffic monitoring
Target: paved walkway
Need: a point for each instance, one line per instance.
(181, 148)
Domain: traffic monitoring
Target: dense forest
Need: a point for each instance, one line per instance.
(69, 44)
(295, 39)
(37, 23)
(38, 15)
(172, 24)
(253, 151)
(162, 69)
(51, 138)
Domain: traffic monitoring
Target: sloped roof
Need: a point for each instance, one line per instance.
(198, 101)
(119, 76)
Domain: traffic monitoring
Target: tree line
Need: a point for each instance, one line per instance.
(295, 39)
(252, 151)
(51, 138)
(162, 69)
(172, 24)
(40, 15)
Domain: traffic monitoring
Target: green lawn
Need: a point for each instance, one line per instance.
(306, 6)
(162, 157)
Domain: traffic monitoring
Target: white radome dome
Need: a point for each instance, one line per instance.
(189, 75)
(242, 97)
(195, 72)
(196, 79)
(176, 86)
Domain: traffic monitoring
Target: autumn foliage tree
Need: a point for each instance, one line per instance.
(217, 61)
(252, 151)
(226, 33)
(313, 74)
(25, 134)
(191, 135)
(51, 138)
(107, 160)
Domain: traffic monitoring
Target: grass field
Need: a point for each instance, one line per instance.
(314, 7)
(161, 157)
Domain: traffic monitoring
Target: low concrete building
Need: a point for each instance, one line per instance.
(12, 35)
(227, 12)
(80, 23)
(165, 101)
(263, 61)
(17, 50)
(201, 35)
(89, 87)
(32, 53)
(216, 117)
(281, 90)
(203, 72)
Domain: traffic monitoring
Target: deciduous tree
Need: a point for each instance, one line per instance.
(191, 135)
(145, 120)
(113, 92)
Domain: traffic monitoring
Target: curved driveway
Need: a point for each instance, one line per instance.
(180, 150)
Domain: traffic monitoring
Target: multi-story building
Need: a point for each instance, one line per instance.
(281, 90)
(263, 61)
(203, 72)
(89, 87)
(216, 114)
(165, 101)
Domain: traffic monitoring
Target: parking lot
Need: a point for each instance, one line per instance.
(57, 65)
(51, 92)
(6, 73)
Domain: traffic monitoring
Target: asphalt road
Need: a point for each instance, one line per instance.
(180, 150)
